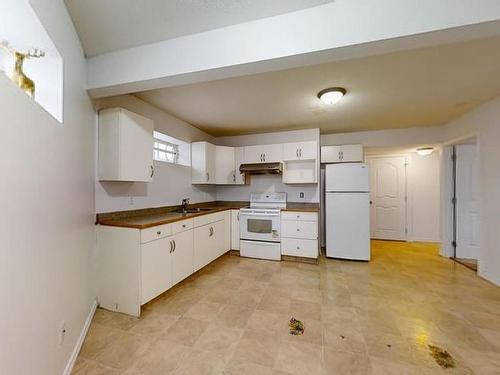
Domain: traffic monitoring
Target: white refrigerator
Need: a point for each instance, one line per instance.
(347, 217)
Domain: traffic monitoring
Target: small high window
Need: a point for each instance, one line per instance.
(171, 150)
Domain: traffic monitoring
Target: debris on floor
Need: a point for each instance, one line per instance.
(442, 357)
(296, 327)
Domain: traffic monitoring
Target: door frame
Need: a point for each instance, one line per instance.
(408, 200)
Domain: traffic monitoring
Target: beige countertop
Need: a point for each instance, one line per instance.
(146, 218)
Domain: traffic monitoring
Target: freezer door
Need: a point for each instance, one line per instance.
(347, 177)
(348, 226)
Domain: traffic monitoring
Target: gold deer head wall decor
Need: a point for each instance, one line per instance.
(22, 80)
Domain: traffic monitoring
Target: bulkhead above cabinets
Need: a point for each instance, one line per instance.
(299, 159)
(125, 143)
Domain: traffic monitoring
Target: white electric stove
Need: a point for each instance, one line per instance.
(260, 226)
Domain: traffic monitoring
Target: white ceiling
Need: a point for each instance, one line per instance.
(110, 25)
(421, 87)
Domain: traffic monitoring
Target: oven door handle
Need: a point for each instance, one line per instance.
(255, 214)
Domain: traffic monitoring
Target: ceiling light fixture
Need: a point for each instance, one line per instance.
(424, 151)
(331, 95)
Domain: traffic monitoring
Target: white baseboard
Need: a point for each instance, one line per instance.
(79, 342)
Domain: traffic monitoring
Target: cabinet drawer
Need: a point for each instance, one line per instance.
(181, 226)
(299, 247)
(206, 219)
(299, 229)
(297, 215)
(156, 232)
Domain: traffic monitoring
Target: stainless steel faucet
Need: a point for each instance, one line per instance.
(184, 204)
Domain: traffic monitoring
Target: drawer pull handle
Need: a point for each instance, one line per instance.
(184, 225)
(158, 233)
(298, 247)
(298, 216)
(298, 230)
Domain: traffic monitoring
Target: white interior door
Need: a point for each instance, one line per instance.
(388, 198)
(468, 201)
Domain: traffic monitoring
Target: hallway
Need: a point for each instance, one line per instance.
(362, 318)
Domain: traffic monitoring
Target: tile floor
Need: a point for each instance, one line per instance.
(360, 318)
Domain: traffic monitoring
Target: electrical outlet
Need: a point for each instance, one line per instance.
(62, 332)
(131, 201)
(301, 195)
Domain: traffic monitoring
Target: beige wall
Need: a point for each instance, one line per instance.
(47, 204)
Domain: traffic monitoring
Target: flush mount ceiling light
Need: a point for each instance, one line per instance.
(424, 151)
(331, 95)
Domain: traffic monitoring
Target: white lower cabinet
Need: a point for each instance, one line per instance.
(156, 268)
(299, 234)
(134, 266)
(182, 256)
(235, 229)
(209, 243)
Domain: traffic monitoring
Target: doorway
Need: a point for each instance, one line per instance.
(388, 197)
(466, 204)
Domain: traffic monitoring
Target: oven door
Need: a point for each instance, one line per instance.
(260, 227)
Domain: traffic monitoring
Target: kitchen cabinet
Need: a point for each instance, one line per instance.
(264, 153)
(203, 156)
(299, 234)
(137, 265)
(300, 163)
(342, 154)
(125, 146)
(224, 165)
(156, 268)
(235, 230)
(300, 151)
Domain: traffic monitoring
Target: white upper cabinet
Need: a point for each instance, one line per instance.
(352, 153)
(202, 163)
(239, 158)
(342, 154)
(125, 146)
(264, 153)
(300, 151)
(225, 165)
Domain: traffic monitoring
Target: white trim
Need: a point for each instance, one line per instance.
(79, 342)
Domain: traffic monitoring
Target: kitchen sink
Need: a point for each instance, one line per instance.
(194, 210)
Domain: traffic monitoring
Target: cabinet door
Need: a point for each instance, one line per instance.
(211, 170)
(204, 246)
(136, 147)
(182, 256)
(273, 153)
(224, 162)
(330, 154)
(235, 229)
(239, 158)
(254, 154)
(202, 163)
(351, 153)
(125, 143)
(291, 151)
(221, 240)
(156, 268)
(308, 150)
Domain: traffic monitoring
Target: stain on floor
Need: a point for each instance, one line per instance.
(296, 327)
(442, 357)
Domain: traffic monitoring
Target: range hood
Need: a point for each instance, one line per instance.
(261, 168)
